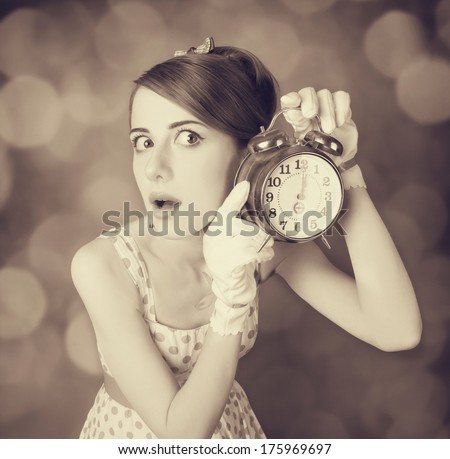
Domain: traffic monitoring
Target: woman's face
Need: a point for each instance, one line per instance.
(184, 168)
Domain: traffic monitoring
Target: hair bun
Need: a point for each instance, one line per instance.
(228, 88)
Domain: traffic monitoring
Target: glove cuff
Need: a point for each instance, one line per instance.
(228, 320)
(353, 178)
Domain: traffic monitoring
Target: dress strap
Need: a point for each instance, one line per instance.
(132, 258)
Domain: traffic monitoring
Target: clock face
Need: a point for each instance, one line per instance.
(302, 196)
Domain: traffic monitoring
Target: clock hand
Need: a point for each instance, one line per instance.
(263, 243)
(301, 195)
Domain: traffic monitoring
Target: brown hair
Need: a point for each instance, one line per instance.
(229, 89)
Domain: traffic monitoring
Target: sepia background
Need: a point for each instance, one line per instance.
(65, 77)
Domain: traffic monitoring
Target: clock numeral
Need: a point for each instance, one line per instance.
(313, 224)
(274, 181)
(316, 169)
(328, 196)
(285, 169)
(269, 197)
(323, 211)
(326, 181)
(298, 227)
(301, 164)
(283, 223)
(272, 212)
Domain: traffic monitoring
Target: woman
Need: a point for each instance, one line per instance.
(195, 290)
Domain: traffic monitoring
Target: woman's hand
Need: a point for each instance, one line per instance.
(230, 247)
(334, 112)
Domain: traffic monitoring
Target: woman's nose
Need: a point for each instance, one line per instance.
(158, 167)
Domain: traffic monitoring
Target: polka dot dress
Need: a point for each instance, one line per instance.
(180, 349)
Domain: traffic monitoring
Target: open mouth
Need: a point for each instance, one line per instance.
(163, 201)
(166, 204)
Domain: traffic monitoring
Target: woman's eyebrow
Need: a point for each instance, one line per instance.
(181, 123)
(171, 126)
(140, 130)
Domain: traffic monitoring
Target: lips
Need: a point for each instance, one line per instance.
(164, 201)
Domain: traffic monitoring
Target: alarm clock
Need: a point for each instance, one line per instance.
(296, 191)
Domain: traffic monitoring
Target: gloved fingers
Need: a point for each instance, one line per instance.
(239, 255)
(291, 100)
(249, 264)
(266, 254)
(295, 118)
(235, 200)
(310, 102)
(233, 239)
(254, 240)
(247, 231)
(342, 109)
(327, 113)
(249, 253)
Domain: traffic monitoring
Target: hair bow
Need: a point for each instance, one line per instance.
(206, 47)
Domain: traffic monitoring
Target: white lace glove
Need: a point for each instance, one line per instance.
(230, 247)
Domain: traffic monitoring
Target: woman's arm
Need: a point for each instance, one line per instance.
(379, 305)
(139, 369)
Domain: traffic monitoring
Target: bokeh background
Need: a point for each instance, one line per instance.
(65, 76)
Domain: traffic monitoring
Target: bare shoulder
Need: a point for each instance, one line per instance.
(300, 253)
(92, 256)
(97, 273)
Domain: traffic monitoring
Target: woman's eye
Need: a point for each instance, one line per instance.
(142, 143)
(188, 138)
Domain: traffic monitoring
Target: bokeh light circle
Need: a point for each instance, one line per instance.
(254, 33)
(30, 112)
(393, 41)
(52, 245)
(317, 66)
(16, 359)
(230, 4)
(21, 33)
(93, 95)
(49, 346)
(45, 41)
(81, 344)
(69, 36)
(106, 196)
(131, 37)
(6, 176)
(65, 145)
(423, 90)
(34, 374)
(442, 14)
(23, 303)
(307, 6)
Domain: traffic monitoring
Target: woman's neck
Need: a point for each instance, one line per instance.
(177, 252)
